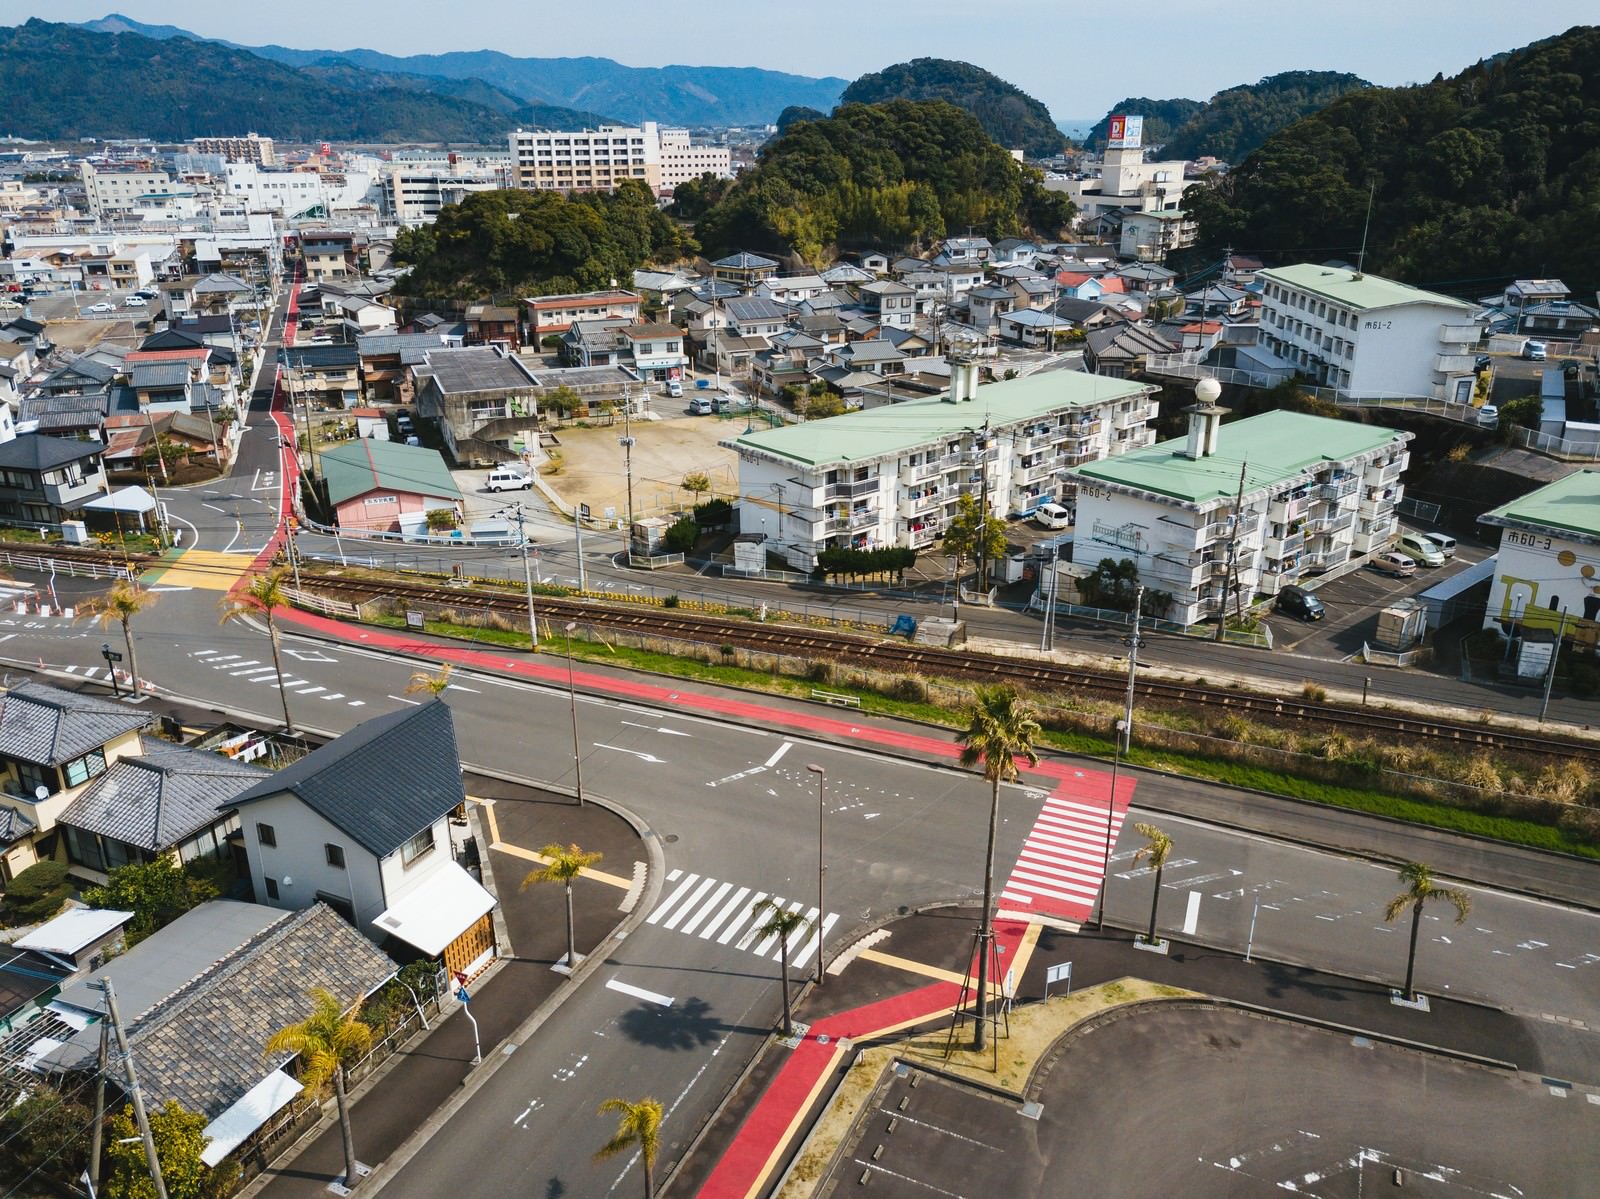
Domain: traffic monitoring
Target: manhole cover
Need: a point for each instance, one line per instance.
(671, 838)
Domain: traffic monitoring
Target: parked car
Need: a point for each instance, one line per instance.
(675, 389)
(1445, 543)
(509, 478)
(730, 404)
(1299, 603)
(1419, 547)
(402, 423)
(1052, 516)
(7, 304)
(1394, 564)
(102, 306)
(1489, 414)
(134, 302)
(1481, 362)
(1535, 351)
(701, 406)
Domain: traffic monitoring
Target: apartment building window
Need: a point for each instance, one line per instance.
(272, 887)
(267, 835)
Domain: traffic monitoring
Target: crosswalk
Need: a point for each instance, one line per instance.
(1062, 863)
(253, 670)
(700, 906)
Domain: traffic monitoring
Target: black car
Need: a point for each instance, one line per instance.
(1299, 603)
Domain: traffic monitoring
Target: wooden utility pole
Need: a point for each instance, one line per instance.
(1231, 574)
(97, 1132)
(135, 1095)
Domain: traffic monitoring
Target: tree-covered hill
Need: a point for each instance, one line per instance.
(879, 175)
(510, 243)
(1234, 122)
(1478, 178)
(65, 81)
(1161, 119)
(1012, 117)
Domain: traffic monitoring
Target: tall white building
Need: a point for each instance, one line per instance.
(1315, 493)
(117, 189)
(1367, 336)
(891, 476)
(683, 160)
(252, 147)
(586, 159)
(414, 193)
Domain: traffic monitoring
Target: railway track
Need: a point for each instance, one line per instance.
(893, 656)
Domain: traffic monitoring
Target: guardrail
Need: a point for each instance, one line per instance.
(322, 604)
(654, 561)
(834, 698)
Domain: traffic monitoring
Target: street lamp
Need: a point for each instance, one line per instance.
(822, 779)
(572, 703)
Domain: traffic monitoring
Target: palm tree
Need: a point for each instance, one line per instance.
(1420, 889)
(1001, 729)
(265, 594)
(434, 682)
(639, 1128)
(784, 925)
(120, 605)
(1156, 851)
(327, 1041)
(562, 866)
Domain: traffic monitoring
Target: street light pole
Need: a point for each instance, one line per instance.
(521, 519)
(1124, 737)
(822, 780)
(572, 702)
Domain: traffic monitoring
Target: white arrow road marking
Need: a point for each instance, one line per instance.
(636, 753)
(639, 993)
(653, 729)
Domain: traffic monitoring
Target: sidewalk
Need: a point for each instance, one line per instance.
(747, 1146)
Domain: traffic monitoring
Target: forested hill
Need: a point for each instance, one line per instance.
(1161, 119)
(1234, 122)
(65, 81)
(1489, 174)
(1012, 117)
(880, 175)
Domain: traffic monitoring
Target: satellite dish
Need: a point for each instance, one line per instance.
(41, 792)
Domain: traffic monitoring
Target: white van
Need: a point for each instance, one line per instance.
(1052, 516)
(1446, 544)
(675, 389)
(509, 478)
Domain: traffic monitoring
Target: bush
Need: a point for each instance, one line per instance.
(713, 514)
(36, 894)
(680, 538)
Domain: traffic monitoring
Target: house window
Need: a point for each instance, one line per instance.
(419, 845)
(81, 770)
(267, 835)
(272, 887)
(335, 855)
(32, 776)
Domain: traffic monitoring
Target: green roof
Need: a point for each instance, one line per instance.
(1356, 291)
(1569, 505)
(364, 465)
(896, 429)
(1275, 448)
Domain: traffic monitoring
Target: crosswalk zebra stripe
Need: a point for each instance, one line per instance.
(706, 909)
(716, 922)
(688, 905)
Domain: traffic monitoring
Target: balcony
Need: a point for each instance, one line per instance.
(1327, 526)
(1288, 509)
(1375, 504)
(928, 470)
(1141, 415)
(849, 491)
(1337, 488)
(1454, 364)
(1283, 547)
(1326, 559)
(1081, 430)
(1466, 333)
(1377, 476)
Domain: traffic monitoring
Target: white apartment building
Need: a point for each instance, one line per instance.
(682, 159)
(115, 190)
(1547, 572)
(892, 475)
(1126, 183)
(1367, 336)
(586, 159)
(252, 147)
(1315, 493)
(413, 195)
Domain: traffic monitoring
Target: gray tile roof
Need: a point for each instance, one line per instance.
(14, 826)
(161, 798)
(475, 368)
(411, 347)
(756, 308)
(744, 260)
(158, 374)
(42, 724)
(64, 411)
(381, 783)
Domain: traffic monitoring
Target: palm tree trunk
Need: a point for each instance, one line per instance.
(277, 666)
(783, 954)
(572, 941)
(649, 1178)
(133, 659)
(979, 1032)
(1155, 899)
(1411, 958)
(350, 1177)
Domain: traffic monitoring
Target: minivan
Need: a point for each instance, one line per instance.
(1299, 603)
(675, 389)
(1394, 564)
(1535, 350)
(509, 478)
(701, 406)
(1052, 516)
(1418, 546)
(1446, 544)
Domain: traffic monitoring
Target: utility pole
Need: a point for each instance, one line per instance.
(626, 441)
(1230, 574)
(135, 1095)
(1550, 676)
(520, 518)
(1122, 743)
(97, 1132)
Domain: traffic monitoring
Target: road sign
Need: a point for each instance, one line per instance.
(414, 620)
(583, 511)
(111, 655)
(461, 994)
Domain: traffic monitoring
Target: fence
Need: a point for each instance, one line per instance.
(1556, 447)
(1384, 657)
(1258, 639)
(66, 564)
(318, 603)
(1418, 510)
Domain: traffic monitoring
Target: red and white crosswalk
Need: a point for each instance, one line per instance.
(1062, 863)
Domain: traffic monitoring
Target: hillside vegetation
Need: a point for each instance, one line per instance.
(65, 81)
(1007, 113)
(879, 175)
(1478, 178)
(1234, 122)
(511, 243)
(1162, 119)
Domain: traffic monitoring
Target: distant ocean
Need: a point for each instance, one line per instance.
(1077, 130)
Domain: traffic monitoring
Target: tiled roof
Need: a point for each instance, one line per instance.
(159, 374)
(14, 826)
(39, 723)
(744, 260)
(381, 783)
(161, 798)
(756, 308)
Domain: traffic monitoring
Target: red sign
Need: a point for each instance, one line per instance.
(1118, 130)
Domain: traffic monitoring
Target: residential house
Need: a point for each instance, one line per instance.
(383, 362)
(872, 261)
(1144, 277)
(330, 254)
(1014, 250)
(754, 316)
(1239, 270)
(491, 324)
(1088, 314)
(597, 342)
(889, 303)
(77, 416)
(130, 434)
(826, 327)
(45, 480)
(322, 374)
(551, 316)
(382, 486)
(25, 331)
(931, 287)
(80, 375)
(656, 286)
(656, 351)
(892, 475)
(1364, 335)
(874, 356)
(1080, 285)
(787, 362)
(215, 295)
(1032, 329)
(1523, 293)
(743, 270)
(484, 400)
(846, 274)
(964, 250)
(180, 380)
(363, 825)
(1547, 571)
(1316, 492)
(985, 305)
(960, 278)
(1217, 300)
(1558, 320)
(1034, 291)
(791, 289)
(1121, 349)
(53, 744)
(1151, 236)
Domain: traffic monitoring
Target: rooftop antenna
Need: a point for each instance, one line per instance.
(1361, 258)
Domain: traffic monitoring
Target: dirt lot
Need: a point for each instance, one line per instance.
(592, 472)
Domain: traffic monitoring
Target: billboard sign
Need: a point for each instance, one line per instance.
(1125, 132)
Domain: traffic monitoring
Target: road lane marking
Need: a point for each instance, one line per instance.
(665, 905)
(716, 922)
(639, 993)
(528, 855)
(1192, 918)
(777, 754)
(635, 752)
(688, 929)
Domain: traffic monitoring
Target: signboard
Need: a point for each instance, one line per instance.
(414, 620)
(1125, 133)
(583, 511)
(1060, 972)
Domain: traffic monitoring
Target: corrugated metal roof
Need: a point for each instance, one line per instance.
(354, 468)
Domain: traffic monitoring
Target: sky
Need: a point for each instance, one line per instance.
(1079, 59)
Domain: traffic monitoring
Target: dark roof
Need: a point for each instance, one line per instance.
(158, 374)
(744, 260)
(203, 324)
(381, 783)
(43, 724)
(85, 368)
(14, 826)
(319, 357)
(162, 797)
(26, 325)
(756, 308)
(64, 411)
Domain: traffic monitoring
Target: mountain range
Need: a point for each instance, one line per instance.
(672, 95)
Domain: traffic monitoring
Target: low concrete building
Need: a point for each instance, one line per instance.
(484, 400)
